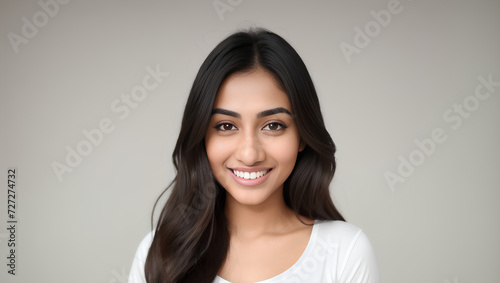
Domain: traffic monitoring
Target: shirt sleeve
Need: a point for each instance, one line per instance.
(137, 270)
(361, 264)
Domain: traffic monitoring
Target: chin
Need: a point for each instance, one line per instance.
(252, 197)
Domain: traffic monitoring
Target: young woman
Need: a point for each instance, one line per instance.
(250, 201)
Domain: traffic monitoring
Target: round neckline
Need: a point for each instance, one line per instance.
(298, 263)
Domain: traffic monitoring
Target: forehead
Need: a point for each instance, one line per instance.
(253, 91)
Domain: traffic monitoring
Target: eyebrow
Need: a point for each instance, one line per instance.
(273, 111)
(261, 114)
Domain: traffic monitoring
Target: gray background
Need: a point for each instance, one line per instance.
(440, 225)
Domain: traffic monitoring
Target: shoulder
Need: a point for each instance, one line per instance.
(342, 235)
(145, 243)
(136, 274)
(338, 231)
(351, 249)
(338, 227)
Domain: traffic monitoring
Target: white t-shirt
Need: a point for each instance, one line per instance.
(337, 252)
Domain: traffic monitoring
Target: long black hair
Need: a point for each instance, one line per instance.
(191, 238)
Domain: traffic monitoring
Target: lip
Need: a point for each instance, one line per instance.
(249, 182)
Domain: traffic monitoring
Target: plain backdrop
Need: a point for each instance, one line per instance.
(385, 83)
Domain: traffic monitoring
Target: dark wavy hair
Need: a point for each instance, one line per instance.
(191, 238)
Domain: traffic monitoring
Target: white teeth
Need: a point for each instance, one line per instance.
(250, 175)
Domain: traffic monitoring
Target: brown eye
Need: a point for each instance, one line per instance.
(274, 126)
(225, 127)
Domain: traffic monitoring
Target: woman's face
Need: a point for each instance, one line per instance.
(252, 141)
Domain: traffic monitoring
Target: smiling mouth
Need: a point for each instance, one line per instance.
(250, 175)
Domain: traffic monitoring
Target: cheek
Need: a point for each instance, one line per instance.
(285, 153)
(213, 150)
(217, 153)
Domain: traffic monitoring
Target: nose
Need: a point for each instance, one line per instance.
(250, 150)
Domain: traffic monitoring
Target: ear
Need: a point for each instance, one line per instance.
(302, 145)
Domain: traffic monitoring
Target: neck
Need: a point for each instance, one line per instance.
(271, 216)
